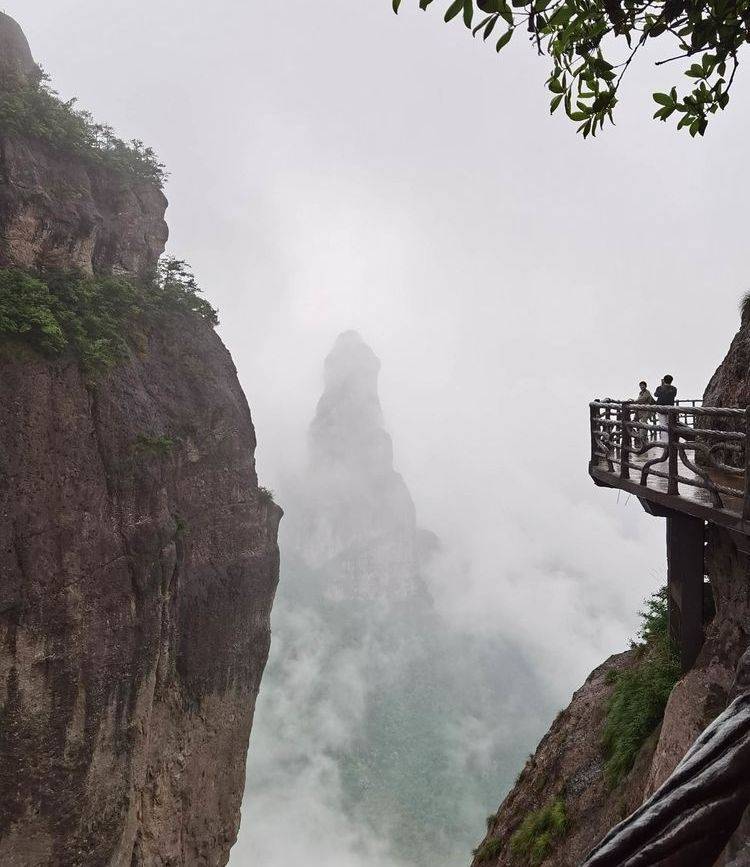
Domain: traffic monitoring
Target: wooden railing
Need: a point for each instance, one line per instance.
(687, 444)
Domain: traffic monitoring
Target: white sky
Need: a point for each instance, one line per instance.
(334, 166)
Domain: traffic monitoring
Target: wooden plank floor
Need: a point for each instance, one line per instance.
(690, 500)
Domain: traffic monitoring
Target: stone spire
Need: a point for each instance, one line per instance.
(348, 426)
(360, 527)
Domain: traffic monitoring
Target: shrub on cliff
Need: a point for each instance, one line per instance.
(265, 496)
(35, 110)
(640, 695)
(96, 318)
(533, 840)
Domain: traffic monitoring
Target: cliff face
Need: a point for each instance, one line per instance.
(60, 211)
(568, 762)
(138, 563)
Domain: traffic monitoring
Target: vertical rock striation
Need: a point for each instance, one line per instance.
(138, 562)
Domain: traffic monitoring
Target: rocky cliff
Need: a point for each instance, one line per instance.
(568, 765)
(138, 561)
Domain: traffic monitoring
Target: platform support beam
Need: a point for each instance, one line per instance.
(685, 571)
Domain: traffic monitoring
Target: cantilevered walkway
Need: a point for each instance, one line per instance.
(689, 464)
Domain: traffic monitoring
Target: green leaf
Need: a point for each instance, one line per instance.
(555, 103)
(454, 9)
(665, 112)
(506, 12)
(396, 4)
(482, 24)
(657, 28)
(663, 99)
(490, 27)
(504, 39)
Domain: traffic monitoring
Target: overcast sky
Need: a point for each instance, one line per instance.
(334, 166)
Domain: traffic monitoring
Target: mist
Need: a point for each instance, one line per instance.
(333, 167)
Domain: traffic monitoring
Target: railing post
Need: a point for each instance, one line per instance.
(672, 440)
(625, 441)
(746, 503)
(594, 416)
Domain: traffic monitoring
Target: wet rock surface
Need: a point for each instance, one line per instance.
(136, 594)
(569, 764)
(138, 561)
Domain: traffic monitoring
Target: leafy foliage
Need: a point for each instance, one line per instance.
(490, 849)
(592, 43)
(96, 318)
(641, 693)
(534, 838)
(35, 110)
(532, 842)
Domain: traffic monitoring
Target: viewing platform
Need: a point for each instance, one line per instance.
(689, 464)
(687, 458)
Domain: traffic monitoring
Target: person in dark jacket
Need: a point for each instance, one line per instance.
(665, 395)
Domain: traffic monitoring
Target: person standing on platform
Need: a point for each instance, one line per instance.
(665, 395)
(644, 416)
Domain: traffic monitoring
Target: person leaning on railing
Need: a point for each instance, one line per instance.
(665, 395)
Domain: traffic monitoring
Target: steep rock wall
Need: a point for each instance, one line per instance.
(59, 210)
(138, 562)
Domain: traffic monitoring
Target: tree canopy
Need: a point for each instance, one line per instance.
(592, 43)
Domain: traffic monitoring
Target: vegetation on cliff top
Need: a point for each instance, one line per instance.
(640, 695)
(592, 43)
(35, 110)
(95, 318)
